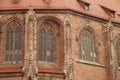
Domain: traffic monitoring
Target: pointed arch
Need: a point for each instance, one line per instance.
(6, 25)
(46, 43)
(55, 39)
(87, 45)
(52, 19)
(13, 49)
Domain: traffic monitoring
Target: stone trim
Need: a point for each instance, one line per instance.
(71, 11)
(90, 63)
(10, 69)
(10, 75)
(50, 70)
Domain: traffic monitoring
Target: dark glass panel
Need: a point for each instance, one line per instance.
(13, 42)
(42, 55)
(10, 46)
(49, 46)
(18, 46)
(7, 47)
(87, 46)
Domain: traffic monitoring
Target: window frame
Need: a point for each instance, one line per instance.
(58, 33)
(42, 28)
(94, 58)
(19, 26)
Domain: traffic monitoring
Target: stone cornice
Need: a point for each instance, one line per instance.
(82, 14)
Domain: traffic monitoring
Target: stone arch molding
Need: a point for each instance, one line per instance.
(5, 25)
(50, 18)
(87, 27)
(95, 36)
(57, 27)
(56, 24)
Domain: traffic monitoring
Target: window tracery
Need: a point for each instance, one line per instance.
(46, 43)
(87, 46)
(13, 52)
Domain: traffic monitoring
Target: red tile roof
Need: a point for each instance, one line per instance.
(95, 8)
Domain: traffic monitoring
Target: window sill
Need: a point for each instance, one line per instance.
(50, 70)
(11, 64)
(46, 64)
(90, 63)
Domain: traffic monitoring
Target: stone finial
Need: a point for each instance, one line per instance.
(30, 7)
(67, 20)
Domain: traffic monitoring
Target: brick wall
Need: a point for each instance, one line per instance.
(82, 70)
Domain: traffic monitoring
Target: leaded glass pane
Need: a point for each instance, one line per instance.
(45, 43)
(42, 55)
(18, 46)
(13, 43)
(87, 47)
(7, 47)
(49, 46)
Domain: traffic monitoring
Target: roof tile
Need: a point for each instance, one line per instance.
(94, 9)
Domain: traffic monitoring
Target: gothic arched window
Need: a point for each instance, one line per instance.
(87, 46)
(45, 43)
(118, 51)
(13, 42)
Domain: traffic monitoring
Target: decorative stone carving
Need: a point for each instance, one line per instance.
(69, 61)
(83, 24)
(87, 22)
(118, 74)
(30, 67)
(111, 43)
